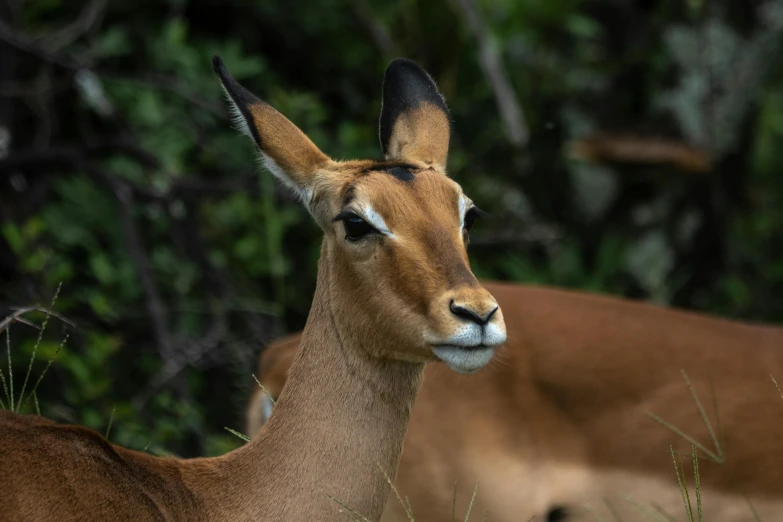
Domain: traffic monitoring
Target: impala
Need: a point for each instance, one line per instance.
(562, 420)
(394, 291)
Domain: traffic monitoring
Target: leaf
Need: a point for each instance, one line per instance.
(101, 268)
(113, 42)
(13, 236)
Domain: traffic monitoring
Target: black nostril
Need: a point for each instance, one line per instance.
(471, 315)
(490, 314)
(557, 514)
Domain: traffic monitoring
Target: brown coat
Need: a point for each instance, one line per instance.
(560, 416)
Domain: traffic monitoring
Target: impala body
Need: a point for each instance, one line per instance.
(394, 291)
(559, 419)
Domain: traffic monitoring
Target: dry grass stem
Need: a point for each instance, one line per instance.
(37, 343)
(472, 499)
(263, 389)
(360, 518)
(405, 506)
(48, 365)
(237, 434)
(111, 420)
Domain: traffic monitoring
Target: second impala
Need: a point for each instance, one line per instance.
(561, 426)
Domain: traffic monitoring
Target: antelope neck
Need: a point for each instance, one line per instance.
(339, 423)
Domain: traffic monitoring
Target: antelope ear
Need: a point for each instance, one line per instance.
(286, 151)
(415, 124)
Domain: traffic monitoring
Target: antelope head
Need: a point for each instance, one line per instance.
(396, 231)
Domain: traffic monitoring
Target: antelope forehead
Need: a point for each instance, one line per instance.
(375, 218)
(383, 202)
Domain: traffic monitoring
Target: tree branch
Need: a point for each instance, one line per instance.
(14, 316)
(533, 233)
(24, 43)
(75, 156)
(377, 31)
(489, 58)
(138, 254)
(53, 55)
(173, 366)
(19, 312)
(84, 22)
(69, 155)
(163, 82)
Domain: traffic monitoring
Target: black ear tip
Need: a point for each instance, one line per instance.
(220, 67)
(408, 79)
(404, 65)
(406, 85)
(401, 61)
(409, 84)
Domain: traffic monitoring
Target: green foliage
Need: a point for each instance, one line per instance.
(231, 258)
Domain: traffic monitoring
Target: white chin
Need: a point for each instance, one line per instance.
(464, 360)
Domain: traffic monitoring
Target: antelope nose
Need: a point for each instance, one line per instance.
(465, 311)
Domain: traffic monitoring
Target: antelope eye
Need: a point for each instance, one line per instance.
(356, 228)
(470, 217)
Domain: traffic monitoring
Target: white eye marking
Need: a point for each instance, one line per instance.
(464, 205)
(375, 219)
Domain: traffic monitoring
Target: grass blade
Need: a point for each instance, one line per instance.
(612, 510)
(237, 434)
(776, 385)
(472, 499)
(594, 513)
(111, 419)
(264, 389)
(454, 504)
(681, 481)
(5, 388)
(344, 506)
(644, 509)
(10, 368)
(718, 426)
(756, 517)
(407, 509)
(685, 436)
(657, 507)
(37, 343)
(697, 482)
(48, 365)
(703, 414)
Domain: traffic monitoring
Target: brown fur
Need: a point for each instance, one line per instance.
(428, 121)
(381, 310)
(291, 149)
(560, 418)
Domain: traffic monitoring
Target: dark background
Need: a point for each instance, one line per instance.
(628, 147)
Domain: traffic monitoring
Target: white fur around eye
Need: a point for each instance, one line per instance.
(376, 220)
(464, 205)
